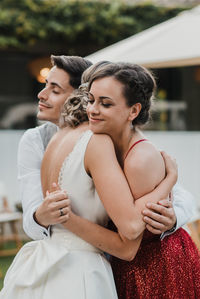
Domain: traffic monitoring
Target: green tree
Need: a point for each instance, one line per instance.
(78, 27)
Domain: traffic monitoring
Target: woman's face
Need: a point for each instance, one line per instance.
(107, 110)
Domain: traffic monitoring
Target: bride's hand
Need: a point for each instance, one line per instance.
(170, 166)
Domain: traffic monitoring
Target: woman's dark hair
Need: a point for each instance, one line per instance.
(138, 86)
(73, 65)
(86, 76)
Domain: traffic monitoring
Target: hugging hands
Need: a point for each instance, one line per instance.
(158, 217)
(54, 209)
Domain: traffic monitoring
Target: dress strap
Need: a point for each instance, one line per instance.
(133, 146)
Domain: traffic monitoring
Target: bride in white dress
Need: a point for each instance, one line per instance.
(64, 266)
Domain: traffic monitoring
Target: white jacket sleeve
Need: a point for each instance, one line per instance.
(184, 206)
(30, 154)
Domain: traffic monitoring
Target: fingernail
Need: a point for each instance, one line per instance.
(148, 205)
(144, 212)
(54, 184)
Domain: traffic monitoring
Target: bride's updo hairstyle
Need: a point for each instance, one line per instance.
(73, 112)
(138, 86)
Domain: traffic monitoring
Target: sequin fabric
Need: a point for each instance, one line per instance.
(161, 269)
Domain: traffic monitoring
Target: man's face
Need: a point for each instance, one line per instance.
(53, 95)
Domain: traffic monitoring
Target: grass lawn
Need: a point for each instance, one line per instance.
(5, 262)
(4, 265)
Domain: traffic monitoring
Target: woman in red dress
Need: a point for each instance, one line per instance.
(120, 100)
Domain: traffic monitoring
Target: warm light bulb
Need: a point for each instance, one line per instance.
(44, 72)
(40, 79)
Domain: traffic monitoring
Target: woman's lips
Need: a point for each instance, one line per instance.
(94, 120)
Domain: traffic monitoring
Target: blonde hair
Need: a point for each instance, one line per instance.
(73, 112)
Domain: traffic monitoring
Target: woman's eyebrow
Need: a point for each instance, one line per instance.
(101, 97)
(105, 97)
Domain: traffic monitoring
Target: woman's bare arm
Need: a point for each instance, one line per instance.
(113, 243)
(106, 240)
(113, 188)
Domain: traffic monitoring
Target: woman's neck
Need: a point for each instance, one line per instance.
(122, 142)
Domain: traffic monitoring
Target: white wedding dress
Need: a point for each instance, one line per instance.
(64, 266)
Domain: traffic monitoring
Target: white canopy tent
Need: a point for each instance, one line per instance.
(173, 43)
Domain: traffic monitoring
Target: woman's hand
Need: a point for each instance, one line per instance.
(170, 166)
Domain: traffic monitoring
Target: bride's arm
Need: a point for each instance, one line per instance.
(108, 241)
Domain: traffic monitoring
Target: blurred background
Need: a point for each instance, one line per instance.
(161, 35)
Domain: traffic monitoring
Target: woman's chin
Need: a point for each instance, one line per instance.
(95, 130)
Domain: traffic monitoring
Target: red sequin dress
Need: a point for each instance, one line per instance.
(161, 269)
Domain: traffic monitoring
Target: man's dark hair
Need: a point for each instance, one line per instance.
(73, 65)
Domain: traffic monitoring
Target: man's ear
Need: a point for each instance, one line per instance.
(134, 111)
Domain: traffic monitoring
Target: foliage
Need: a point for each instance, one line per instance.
(5, 263)
(78, 26)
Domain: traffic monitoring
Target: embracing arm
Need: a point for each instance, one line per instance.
(114, 243)
(38, 213)
(184, 207)
(106, 240)
(113, 188)
(30, 154)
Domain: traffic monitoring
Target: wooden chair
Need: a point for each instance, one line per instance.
(194, 228)
(9, 219)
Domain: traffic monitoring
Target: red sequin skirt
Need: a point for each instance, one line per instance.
(161, 269)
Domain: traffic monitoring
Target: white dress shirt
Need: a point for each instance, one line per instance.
(30, 154)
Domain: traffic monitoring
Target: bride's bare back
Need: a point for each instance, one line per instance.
(58, 149)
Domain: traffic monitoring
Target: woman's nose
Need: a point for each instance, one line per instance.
(93, 108)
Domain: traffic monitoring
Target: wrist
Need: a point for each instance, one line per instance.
(172, 176)
(171, 230)
(36, 218)
(171, 180)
